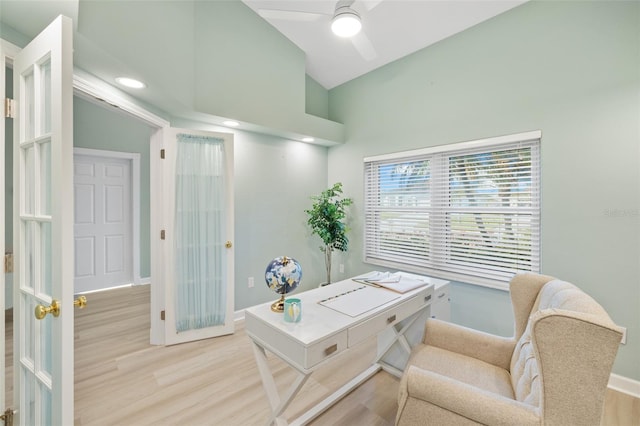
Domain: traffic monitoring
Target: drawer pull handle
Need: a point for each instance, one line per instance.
(331, 349)
(391, 319)
(441, 295)
(427, 298)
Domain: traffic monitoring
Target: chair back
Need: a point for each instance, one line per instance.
(562, 361)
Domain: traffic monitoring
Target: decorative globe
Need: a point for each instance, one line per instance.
(283, 275)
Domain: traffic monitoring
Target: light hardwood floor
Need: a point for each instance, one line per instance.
(122, 380)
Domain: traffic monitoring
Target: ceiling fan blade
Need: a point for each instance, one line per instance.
(370, 4)
(289, 15)
(364, 46)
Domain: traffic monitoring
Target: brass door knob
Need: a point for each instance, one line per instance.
(42, 311)
(228, 244)
(80, 302)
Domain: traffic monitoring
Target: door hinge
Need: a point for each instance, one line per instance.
(8, 263)
(162, 233)
(162, 315)
(9, 108)
(7, 417)
(162, 154)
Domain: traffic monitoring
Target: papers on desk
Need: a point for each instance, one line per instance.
(358, 301)
(398, 281)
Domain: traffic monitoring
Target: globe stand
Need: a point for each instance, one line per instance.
(278, 305)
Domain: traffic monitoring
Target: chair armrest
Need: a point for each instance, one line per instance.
(486, 347)
(465, 400)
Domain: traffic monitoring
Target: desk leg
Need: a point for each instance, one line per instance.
(323, 405)
(277, 406)
(399, 338)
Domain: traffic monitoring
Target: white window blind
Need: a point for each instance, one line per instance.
(468, 211)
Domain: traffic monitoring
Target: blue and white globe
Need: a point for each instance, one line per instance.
(283, 274)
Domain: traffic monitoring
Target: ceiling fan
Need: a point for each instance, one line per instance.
(345, 22)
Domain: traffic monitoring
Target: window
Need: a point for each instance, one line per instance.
(467, 211)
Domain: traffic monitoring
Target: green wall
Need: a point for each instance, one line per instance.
(97, 127)
(316, 98)
(274, 179)
(570, 69)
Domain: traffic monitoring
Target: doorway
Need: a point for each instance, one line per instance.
(96, 115)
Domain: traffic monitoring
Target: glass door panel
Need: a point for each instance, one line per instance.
(28, 350)
(46, 258)
(45, 93)
(28, 110)
(45, 177)
(29, 188)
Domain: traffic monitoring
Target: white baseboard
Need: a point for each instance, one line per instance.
(625, 385)
(238, 315)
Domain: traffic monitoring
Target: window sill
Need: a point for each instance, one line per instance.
(465, 279)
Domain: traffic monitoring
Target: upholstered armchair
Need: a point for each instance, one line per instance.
(554, 371)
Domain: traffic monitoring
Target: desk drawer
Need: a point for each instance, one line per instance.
(326, 348)
(392, 316)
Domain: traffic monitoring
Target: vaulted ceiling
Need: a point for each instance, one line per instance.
(391, 29)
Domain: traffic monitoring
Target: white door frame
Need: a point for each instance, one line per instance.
(9, 51)
(134, 158)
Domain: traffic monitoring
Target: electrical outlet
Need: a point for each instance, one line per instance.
(624, 336)
(251, 282)
(341, 267)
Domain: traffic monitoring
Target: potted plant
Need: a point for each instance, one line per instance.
(326, 220)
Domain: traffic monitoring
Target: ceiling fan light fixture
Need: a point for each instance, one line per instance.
(346, 22)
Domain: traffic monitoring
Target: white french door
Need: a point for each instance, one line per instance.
(164, 255)
(43, 227)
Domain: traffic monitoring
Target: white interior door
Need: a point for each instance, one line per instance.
(103, 222)
(43, 227)
(163, 245)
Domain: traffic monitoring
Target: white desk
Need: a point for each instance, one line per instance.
(323, 334)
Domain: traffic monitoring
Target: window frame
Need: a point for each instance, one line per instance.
(438, 156)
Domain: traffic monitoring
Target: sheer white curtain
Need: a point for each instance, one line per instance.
(200, 235)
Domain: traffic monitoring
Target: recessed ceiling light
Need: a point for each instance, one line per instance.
(130, 82)
(231, 123)
(308, 139)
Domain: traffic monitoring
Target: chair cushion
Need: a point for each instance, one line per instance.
(463, 368)
(524, 371)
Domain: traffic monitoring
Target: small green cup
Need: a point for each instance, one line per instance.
(292, 310)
